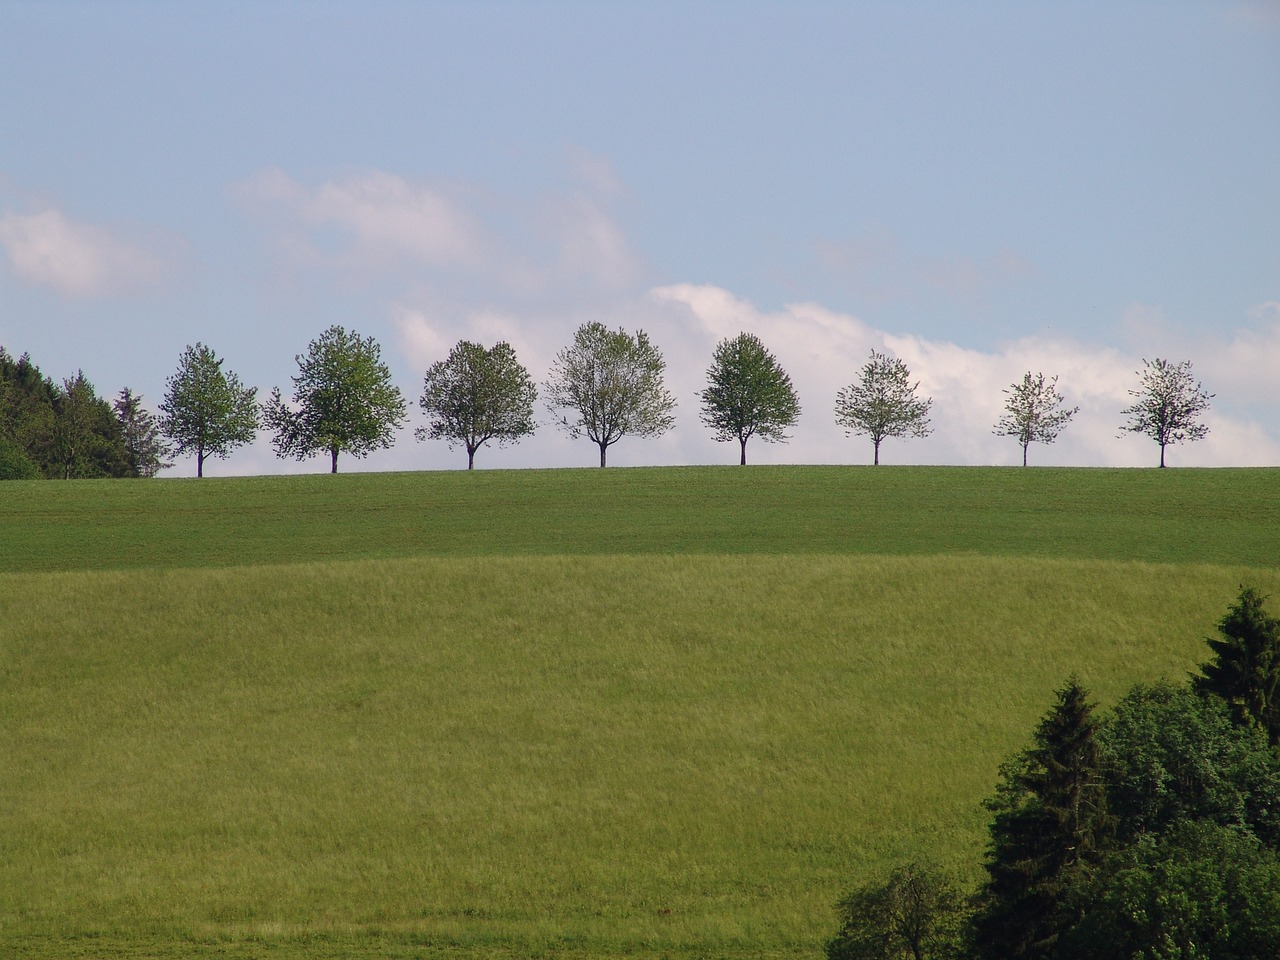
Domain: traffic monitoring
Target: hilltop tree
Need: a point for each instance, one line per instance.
(345, 401)
(143, 445)
(748, 394)
(1049, 828)
(477, 395)
(1245, 670)
(1032, 412)
(1169, 404)
(206, 410)
(883, 403)
(610, 382)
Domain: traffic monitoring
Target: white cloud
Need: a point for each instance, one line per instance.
(79, 260)
(450, 236)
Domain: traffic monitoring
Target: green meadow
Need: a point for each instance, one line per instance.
(649, 713)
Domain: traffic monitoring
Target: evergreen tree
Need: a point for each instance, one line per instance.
(1050, 828)
(143, 445)
(1245, 671)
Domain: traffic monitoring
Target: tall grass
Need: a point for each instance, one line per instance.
(595, 755)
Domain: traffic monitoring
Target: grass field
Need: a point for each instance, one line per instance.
(579, 713)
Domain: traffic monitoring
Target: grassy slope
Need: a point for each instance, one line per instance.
(1170, 516)
(686, 740)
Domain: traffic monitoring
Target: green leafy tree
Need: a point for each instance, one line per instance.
(1245, 669)
(611, 385)
(14, 462)
(1169, 403)
(1172, 756)
(143, 444)
(1050, 827)
(748, 394)
(477, 395)
(883, 403)
(1033, 412)
(345, 401)
(1201, 891)
(73, 435)
(916, 914)
(206, 410)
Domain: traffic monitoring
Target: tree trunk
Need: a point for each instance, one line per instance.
(333, 462)
(1024, 453)
(743, 461)
(877, 459)
(199, 462)
(1162, 455)
(603, 448)
(471, 458)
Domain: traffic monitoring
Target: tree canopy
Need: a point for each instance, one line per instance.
(206, 410)
(477, 395)
(748, 394)
(345, 401)
(1245, 670)
(883, 403)
(610, 383)
(1034, 412)
(1168, 404)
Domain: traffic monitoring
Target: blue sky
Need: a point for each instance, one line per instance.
(981, 189)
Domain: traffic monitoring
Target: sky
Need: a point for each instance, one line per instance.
(981, 189)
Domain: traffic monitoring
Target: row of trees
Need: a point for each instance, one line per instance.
(606, 385)
(1150, 832)
(65, 430)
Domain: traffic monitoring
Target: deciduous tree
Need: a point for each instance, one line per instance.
(1168, 404)
(916, 914)
(1034, 412)
(748, 394)
(344, 401)
(883, 403)
(206, 410)
(477, 395)
(611, 385)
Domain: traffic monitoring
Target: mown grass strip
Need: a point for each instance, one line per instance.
(1169, 516)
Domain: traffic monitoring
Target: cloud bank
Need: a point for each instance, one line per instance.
(80, 260)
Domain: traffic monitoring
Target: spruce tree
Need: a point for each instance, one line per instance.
(1245, 671)
(1050, 828)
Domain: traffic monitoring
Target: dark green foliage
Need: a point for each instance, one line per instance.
(748, 394)
(206, 410)
(477, 395)
(14, 462)
(1050, 829)
(1245, 671)
(345, 401)
(916, 914)
(1174, 756)
(1200, 891)
(66, 430)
